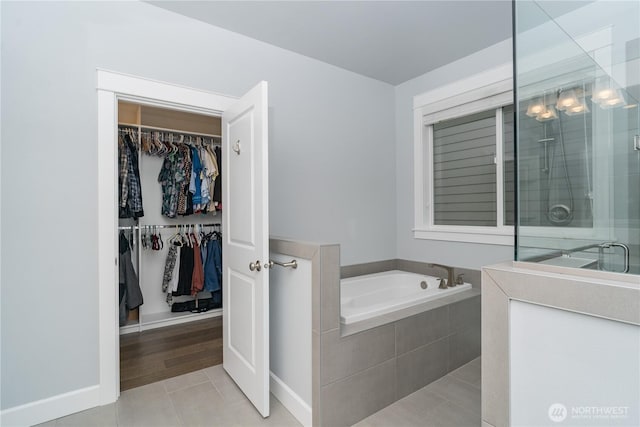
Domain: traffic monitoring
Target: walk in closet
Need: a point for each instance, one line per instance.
(170, 231)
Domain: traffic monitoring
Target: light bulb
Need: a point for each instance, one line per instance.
(535, 107)
(581, 108)
(567, 99)
(548, 114)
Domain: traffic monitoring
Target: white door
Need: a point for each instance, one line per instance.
(245, 250)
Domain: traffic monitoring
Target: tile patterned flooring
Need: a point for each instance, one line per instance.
(451, 401)
(210, 398)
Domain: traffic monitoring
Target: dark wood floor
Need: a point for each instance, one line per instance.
(158, 354)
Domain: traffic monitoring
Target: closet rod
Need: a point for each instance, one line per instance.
(154, 128)
(141, 227)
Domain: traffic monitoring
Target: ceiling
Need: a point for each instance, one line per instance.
(391, 41)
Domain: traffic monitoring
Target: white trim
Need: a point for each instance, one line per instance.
(475, 83)
(108, 340)
(499, 167)
(51, 408)
(112, 86)
(492, 89)
(291, 400)
(489, 235)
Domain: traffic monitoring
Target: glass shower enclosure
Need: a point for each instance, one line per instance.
(577, 120)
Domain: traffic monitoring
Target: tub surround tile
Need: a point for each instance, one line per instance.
(611, 299)
(316, 287)
(421, 329)
(316, 352)
(330, 288)
(422, 366)
(470, 276)
(464, 346)
(464, 314)
(342, 357)
(368, 268)
(293, 248)
(495, 353)
(351, 399)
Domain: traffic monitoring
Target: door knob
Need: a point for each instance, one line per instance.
(255, 266)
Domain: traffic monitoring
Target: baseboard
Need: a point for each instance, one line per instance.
(291, 401)
(51, 408)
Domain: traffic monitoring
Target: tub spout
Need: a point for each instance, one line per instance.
(450, 280)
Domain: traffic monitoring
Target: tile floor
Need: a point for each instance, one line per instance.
(451, 401)
(210, 398)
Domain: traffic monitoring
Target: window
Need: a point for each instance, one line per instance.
(464, 165)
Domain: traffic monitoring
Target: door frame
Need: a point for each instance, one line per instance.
(112, 87)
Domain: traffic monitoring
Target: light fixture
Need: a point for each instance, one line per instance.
(536, 106)
(567, 99)
(615, 100)
(580, 108)
(549, 113)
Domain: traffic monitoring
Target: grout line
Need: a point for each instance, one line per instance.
(175, 410)
(164, 386)
(462, 380)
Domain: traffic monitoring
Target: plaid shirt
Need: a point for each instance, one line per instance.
(131, 206)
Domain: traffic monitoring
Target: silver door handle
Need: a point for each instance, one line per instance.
(255, 266)
(236, 147)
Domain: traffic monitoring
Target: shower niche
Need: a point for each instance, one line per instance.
(577, 138)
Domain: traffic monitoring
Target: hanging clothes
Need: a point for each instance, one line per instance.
(130, 204)
(195, 185)
(183, 188)
(217, 188)
(130, 293)
(185, 274)
(213, 266)
(197, 278)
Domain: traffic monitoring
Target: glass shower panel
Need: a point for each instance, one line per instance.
(577, 90)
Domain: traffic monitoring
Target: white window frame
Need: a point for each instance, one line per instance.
(492, 89)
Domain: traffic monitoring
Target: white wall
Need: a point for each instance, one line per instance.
(469, 255)
(290, 336)
(332, 163)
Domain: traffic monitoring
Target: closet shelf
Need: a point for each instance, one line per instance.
(159, 129)
(159, 320)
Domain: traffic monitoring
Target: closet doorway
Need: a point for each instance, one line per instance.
(169, 216)
(243, 226)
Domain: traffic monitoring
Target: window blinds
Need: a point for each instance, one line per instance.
(464, 170)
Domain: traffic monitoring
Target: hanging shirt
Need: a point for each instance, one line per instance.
(183, 188)
(213, 266)
(217, 189)
(131, 203)
(169, 267)
(196, 179)
(197, 278)
(175, 276)
(185, 274)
